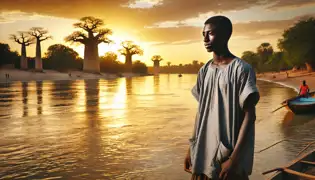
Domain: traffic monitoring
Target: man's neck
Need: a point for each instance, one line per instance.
(223, 56)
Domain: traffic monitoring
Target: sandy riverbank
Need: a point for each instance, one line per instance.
(294, 80)
(20, 75)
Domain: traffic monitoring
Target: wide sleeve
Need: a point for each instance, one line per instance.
(197, 87)
(247, 86)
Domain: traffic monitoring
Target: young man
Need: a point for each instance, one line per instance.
(304, 90)
(222, 144)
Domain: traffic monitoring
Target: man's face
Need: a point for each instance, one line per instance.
(212, 38)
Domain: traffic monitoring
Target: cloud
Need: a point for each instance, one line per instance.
(11, 17)
(183, 42)
(142, 4)
(291, 4)
(249, 30)
(116, 11)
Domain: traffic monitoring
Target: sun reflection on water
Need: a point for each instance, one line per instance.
(81, 100)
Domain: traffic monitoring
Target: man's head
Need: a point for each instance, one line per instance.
(217, 32)
(304, 82)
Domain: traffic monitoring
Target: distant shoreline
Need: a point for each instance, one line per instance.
(280, 83)
(293, 81)
(26, 76)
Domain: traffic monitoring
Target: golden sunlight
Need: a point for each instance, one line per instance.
(81, 100)
(114, 46)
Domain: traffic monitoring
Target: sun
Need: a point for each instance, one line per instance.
(114, 46)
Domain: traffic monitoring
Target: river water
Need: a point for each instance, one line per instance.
(136, 128)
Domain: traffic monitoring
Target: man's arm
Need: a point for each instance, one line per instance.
(248, 122)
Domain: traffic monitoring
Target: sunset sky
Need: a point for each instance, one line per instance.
(170, 28)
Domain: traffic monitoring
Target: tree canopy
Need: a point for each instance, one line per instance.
(130, 48)
(251, 58)
(7, 56)
(91, 30)
(61, 57)
(22, 38)
(39, 33)
(110, 64)
(139, 67)
(298, 42)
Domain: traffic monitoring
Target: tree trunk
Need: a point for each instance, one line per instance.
(156, 66)
(128, 62)
(38, 58)
(309, 67)
(23, 62)
(91, 59)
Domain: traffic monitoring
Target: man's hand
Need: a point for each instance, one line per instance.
(187, 163)
(226, 167)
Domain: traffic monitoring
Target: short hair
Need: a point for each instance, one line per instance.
(223, 23)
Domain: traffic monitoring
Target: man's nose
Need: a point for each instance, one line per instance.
(206, 38)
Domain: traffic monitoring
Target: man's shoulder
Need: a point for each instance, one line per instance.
(242, 65)
(204, 67)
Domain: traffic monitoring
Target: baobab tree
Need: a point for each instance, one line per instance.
(128, 50)
(92, 35)
(156, 63)
(24, 39)
(169, 64)
(39, 34)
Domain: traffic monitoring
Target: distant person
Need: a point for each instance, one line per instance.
(304, 90)
(222, 144)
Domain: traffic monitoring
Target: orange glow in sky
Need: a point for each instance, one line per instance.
(153, 25)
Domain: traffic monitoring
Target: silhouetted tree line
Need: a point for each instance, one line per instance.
(297, 47)
(109, 63)
(191, 68)
(63, 58)
(8, 57)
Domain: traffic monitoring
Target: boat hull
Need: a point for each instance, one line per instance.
(297, 165)
(302, 109)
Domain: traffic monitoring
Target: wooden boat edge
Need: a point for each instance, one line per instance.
(297, 160)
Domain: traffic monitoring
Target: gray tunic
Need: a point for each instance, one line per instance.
(221, 93)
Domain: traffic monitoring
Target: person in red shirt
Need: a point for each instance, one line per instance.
(304, 90)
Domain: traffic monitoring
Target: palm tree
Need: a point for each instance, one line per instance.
(40, 34)
(128, 50)
(265, 50)
(94, 35)
(25, 40)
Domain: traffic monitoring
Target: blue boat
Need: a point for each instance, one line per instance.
(301, 105)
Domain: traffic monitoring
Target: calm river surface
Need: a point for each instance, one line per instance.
(123, 129)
